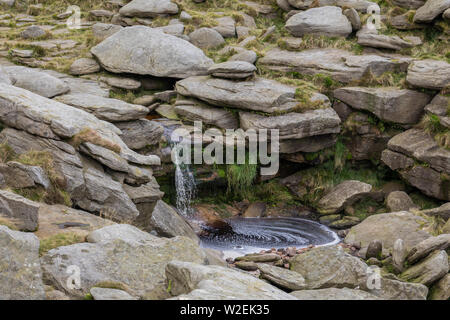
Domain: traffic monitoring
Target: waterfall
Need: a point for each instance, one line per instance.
(184, 184)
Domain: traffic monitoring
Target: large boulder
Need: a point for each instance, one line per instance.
(281, 277)
(319, 268)
(111, 110)
(146, 51)
(328, 21)
(339, 64)
(134, 258)
(148, 8)
(388, 227)
(20, 270)
(140, 133)
(430, 74)
(399, 201)
(24, 212)
(334, 294)
(430, 10)
(389, 104)
(342, 195)
(375, 40)
(422, 249)
(232, 70)
(390, 289)
(257, 94)
(196, 282)
(36, 81)
(428, 271)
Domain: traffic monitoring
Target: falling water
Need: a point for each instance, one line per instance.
(184, 184)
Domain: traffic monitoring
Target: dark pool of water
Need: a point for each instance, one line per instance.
(254, 234)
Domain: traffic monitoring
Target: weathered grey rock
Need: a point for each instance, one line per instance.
(388, 227)
(104, 30)
(24, 212)
(441, 289)
(308, 144)
(246, 265)
(342, 195)
(389, 104)
(4, 77)
(140, 133)
(36, 173)
(398, 255)
(319, 268)
(15, 177)
(206, 38)
(397, 290)
(345, 223)
(403, 22)
(84, 66)
(194, 110)
(334, 294)
(35, 81)
(196, 282)
(446, 14)
(33, 32)
(353, 16)
(257, 94)
(399, 201)
(375, 40)
(111, 110)
(136, 259)
(281, 277)
(430, 10)
(374, 249)
(110, 294)
(431, 269)
(438, 106)
(285, 5)
(124, 232)
(122, 83)
(232, 70)
(148, 8)
(409, 4)
(226, 27)
(265, 257)
(422, 249)
(294, 125)
(244, 55)
(146, 51)
(339, 64)
(20, 270)
(328, 21)
(99, 13)
(441, 211)
(430, 74)
(168, 223)
(104, 156)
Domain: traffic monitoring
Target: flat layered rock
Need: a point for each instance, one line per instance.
(226, 27)
(111, 110)
(206, 38)
(430, 10)
(383, 41)
(36, 81)
(24, 212)
(21, 275)
(438, 106)
(146, 51)
(430, 74)
(104, 30)
(84, 66)
(232, 70)
(422, 249)
(148, 8)
(342, 195)
(196, 282)
(388, 227)
(389, 104)
(194, 110)
(441, 289)
(294, 125)
(341, 65)
(428, 271)
(328, 21)
(318, 267)
(110, 294)
(140, 133)
(282, 278)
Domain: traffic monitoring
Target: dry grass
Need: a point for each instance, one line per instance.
(59, 240)
(92, 136)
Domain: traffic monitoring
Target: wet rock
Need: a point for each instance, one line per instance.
(196, 282)
(389, 104)
(339, 64)
(422, 249)
(148, 8)
(131, 49)
(433, 268)
(255, 210)
(344, 194)
(430, 74)
(318, 267)
(23, 212)
(110, 294)
(84, 66)
(388, 227)
(333, 294)
(35, 81)
(21, 276)
(140, 133)
(282, 278)
(108, 109)
(430, 10)
(206, 38)
(134, 258)
(328, 21)
(399, 201)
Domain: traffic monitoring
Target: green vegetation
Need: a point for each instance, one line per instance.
(432, 125)
(59, 240)
(240, 178)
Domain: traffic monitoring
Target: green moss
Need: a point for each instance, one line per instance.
(59, 240)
